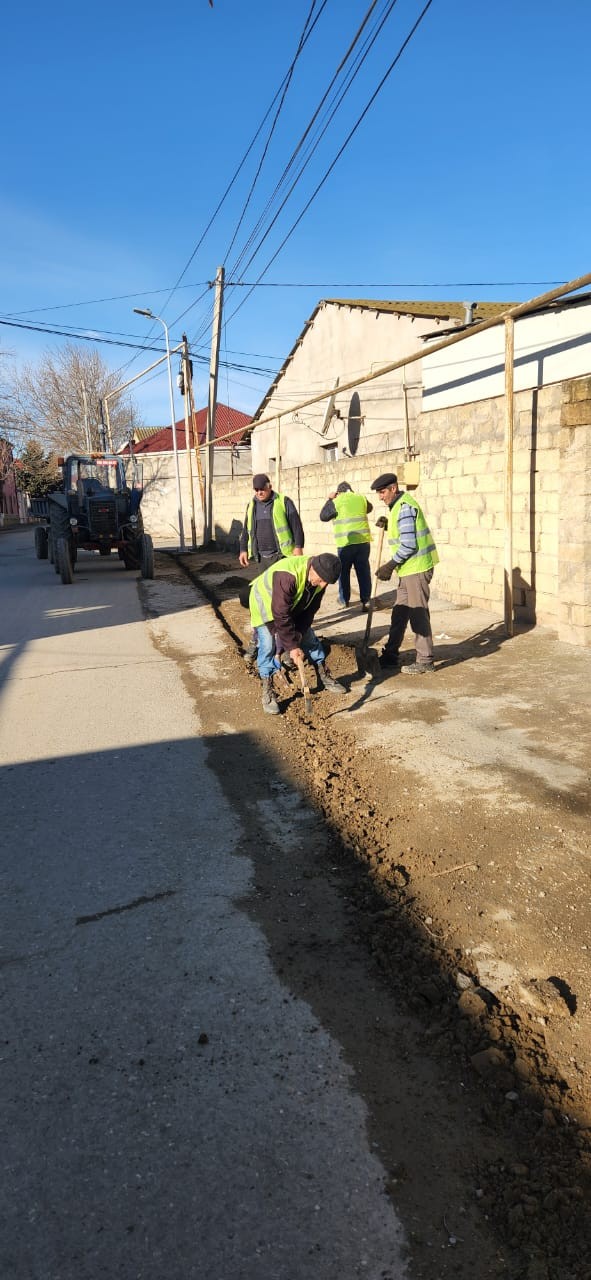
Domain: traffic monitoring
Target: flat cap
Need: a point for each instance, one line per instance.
(384, 481)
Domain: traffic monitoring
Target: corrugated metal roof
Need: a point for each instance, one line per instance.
(427, 310)
(142, 433)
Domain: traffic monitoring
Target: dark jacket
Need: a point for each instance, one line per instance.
(290, 626)
(293, 521)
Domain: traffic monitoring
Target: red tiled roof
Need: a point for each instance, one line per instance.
(226, 420)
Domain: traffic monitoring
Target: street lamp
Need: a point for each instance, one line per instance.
(145, 311)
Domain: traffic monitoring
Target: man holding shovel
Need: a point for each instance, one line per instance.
(414, 556)
(283, 603)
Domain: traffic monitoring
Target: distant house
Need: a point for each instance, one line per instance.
(344, 338)
(231, 438)
(154, 448)
(12, 502)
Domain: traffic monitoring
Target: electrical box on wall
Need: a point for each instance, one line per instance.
(410, 473)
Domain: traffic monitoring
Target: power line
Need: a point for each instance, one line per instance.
(296, 284)
(239, 168)
(401, 284)
(287, 83)
(341, 150)
(348, 81)
(81, 336)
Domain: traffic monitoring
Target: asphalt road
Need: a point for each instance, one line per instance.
(170, 1109)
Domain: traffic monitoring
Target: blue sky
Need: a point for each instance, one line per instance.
(123, 126)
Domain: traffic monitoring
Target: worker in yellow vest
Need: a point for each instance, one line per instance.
(349, 511)
(413, 558)
(283, 603)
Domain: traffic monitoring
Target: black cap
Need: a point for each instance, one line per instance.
(260, 481)
(327, 566)
(384, 481)
(344, 487)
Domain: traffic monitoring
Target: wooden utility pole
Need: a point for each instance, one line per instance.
(211, 405)
(86, 418)
(508, 487)
(186, 365)
(197, 446)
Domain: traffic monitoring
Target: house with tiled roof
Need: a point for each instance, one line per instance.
(154, 452)
(232, 434)
(343, 338)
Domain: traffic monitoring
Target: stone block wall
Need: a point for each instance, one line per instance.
(461, 455)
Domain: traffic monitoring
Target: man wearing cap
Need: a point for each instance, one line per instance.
(349, 511)
(283, 603)
(414, 556)
(272, 527)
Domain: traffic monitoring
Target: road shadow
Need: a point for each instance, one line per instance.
(99, 1008)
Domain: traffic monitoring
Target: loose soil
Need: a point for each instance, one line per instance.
(438, 863)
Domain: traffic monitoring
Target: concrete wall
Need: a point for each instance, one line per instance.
(340, 343)
(160, 501)
(461, 456)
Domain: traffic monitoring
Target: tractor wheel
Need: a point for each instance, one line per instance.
(104, 551)
(64, 560)
(146, 556)
(131, 555)
(41, 542)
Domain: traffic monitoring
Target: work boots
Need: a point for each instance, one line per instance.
(327, 681)
(270, 704)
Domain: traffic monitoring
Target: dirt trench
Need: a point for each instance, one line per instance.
(512, 1135)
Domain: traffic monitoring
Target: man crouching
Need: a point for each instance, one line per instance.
(283, 602)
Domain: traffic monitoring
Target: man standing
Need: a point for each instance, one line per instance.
(272, 527)
(414, 556)
(349, 511)
(283, 603)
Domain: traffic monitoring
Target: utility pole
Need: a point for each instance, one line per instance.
(86, 418)
(185, 381)
(196, 443)
(211, 404)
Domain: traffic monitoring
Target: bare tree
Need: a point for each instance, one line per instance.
(10, 424)
(59, 400)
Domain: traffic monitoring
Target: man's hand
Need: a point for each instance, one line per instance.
(243, 558)
(296, 655)
(381, 522)
(385, 571)
(298, 551)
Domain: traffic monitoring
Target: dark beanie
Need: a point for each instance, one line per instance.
(344, 487)
(327, 566)
(260, 481)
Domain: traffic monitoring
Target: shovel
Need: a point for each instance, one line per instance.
(305, 687)
(368, 662)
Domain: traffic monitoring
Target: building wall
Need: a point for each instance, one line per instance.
(552, 346)
(341, 343)
(461, 487)
(160, 500)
